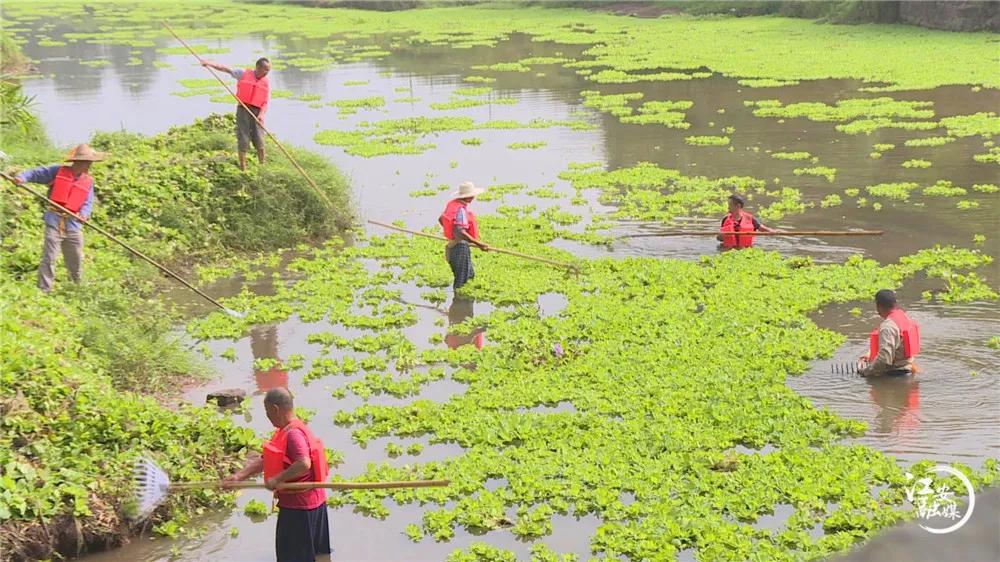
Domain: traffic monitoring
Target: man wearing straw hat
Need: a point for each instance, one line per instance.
(73, 188)
(461, 229)
(254, 91)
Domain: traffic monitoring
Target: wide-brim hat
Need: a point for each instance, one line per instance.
(468, 189)
(83, 153)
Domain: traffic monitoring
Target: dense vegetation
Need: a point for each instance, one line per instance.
(76, 365)
(629, 404)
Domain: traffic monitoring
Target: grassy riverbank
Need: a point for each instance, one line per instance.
(80, 366)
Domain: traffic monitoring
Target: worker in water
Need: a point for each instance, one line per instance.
(293, 454)
(739, 220)
(71, 187)
(253, 89)
(461, 230)
(894, 343)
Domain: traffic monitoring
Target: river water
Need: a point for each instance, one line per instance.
(946, 414)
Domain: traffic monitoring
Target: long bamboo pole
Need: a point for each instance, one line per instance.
(311, 485)
(568, 266)
(760, 233)
(113, 238)
(260, 123)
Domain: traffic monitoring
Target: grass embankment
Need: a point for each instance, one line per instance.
(78, 365)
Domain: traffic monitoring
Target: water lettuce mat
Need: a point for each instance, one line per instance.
(648, 398)
(620, 49)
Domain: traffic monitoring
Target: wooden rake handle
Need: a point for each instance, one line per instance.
(567, 266)
(312, 485)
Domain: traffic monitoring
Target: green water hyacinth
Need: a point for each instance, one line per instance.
(821, 171)
(657, 411)
(707, 140)
(917, 163)
(791, 155)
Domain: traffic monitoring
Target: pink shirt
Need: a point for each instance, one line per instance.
(297, 447)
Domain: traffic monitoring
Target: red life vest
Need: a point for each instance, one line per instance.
(909, 332)
(745, 225)
(70, 192)
(275, 460)
(447, 219)
(252, 91)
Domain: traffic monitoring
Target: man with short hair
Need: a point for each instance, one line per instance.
(461, 229)
(294, 454)
(254, 91)
(738, 221)
(73, 188)
(894, 343)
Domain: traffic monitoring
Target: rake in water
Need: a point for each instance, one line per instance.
(847, 367)
(152, 486)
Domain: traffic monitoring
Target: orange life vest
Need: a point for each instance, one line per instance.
(745, 225)
(275, 460)
(447, 219)
(71, 192)
(252, 91)
(909, 332)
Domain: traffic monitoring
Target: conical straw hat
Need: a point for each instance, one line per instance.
(83, 153)
(468, 189)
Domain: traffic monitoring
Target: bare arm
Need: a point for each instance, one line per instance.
(464, 235)
(253, 467)
(217, 66)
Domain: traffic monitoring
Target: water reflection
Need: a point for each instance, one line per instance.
(460, 310)
(264, 345)
(897, 399)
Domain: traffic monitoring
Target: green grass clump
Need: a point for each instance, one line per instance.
(917, 163)
(707, 140)
(985, 188)
(883, 147)
(472, 141)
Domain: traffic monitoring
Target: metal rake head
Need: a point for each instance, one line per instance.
(846, 368)
(151, 487)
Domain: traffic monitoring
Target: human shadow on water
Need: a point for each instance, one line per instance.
(264, 344)
(459, 310)
(898, 402)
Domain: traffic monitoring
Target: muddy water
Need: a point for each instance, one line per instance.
(946, 413)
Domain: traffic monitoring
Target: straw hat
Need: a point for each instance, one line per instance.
(83, 153)
(468, 189)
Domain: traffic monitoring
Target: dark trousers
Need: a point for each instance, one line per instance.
(301, 534)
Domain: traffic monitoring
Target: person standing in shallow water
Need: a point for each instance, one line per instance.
(294, 454)
(73, 188)
(461, 229)
(738, 220)
(894, 343)
(254, 90)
